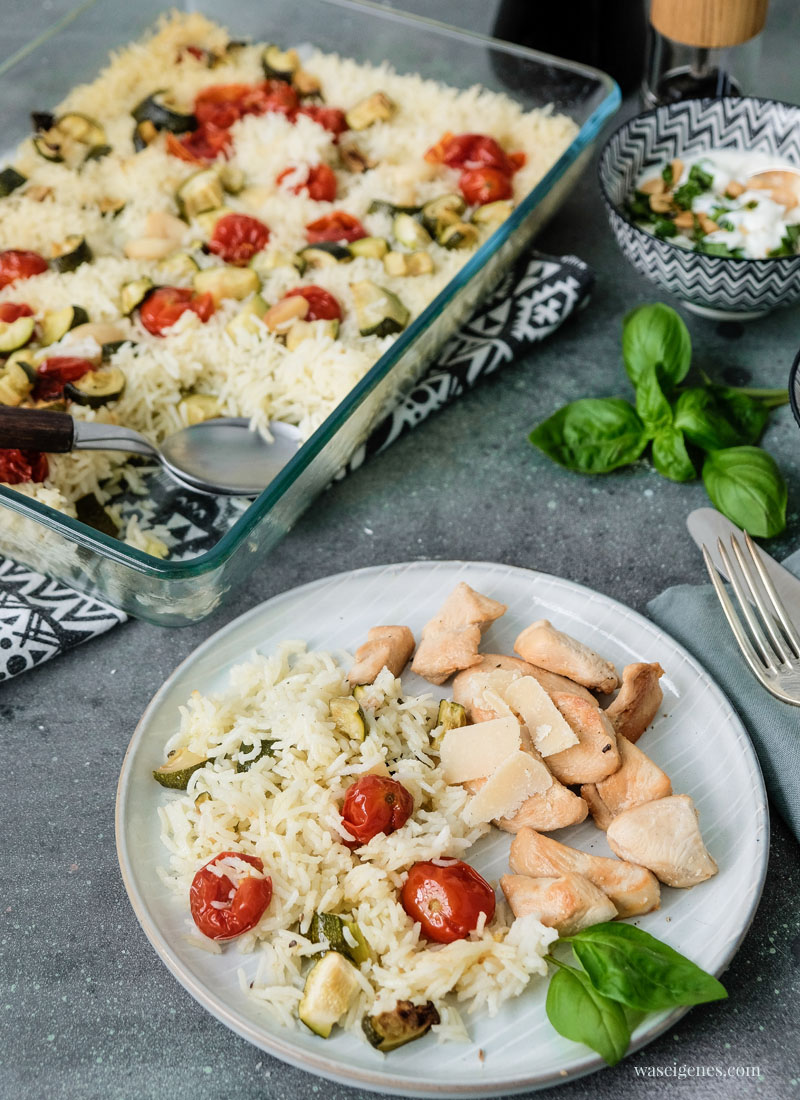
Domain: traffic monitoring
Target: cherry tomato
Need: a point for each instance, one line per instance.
(320, 182)
(336, 226)
(201, 146)
(54, 373)
(482, 185)
(12, 311)
(447, 899)
(475, 151)
(18, 466)
(18, 264)
(244, 905)
(163, 306)
(237, 238)
(223, 104)
(322, 306)
(375, 804)
(329, 118)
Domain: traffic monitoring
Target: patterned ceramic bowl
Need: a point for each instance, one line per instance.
(720, 287)
(794, 388)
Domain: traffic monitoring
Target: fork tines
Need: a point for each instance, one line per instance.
(770, 643)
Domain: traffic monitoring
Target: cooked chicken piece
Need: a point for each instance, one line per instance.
(637, 780)
(665, 836)
(596, 755)
(638, 700)
(450, 640)
(386, 647)
(469, 686)
(541, 644)
(567, 903)
(555, 808)
(633, 890)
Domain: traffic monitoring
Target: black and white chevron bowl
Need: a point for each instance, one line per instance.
(716, 286)
(794, 388)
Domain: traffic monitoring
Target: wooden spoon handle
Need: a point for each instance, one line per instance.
(36, 430)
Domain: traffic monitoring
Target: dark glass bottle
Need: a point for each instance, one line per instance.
(607, 34)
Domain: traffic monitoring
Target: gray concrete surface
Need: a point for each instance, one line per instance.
(86, 1008)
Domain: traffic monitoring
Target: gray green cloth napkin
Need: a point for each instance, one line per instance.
(693, 616)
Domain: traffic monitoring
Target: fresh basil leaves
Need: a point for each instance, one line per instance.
(705, 426)
(624, 969)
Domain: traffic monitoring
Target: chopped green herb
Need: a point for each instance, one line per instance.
(788, 245)
(718, 212)
(638, 206)
(717, 248)
(666, 175)
(704, 179)
(697, 183)
(665, 227)
(751, 205)
(725, 223)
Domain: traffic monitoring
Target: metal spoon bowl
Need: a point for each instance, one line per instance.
(222, 456)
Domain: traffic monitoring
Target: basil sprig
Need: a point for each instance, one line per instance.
(626, 971)
(702, 427)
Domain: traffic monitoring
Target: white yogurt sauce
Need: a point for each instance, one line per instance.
(753, 224)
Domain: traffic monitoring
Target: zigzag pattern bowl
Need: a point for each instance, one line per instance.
(716, 286)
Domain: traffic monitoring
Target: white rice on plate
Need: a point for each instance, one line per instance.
(285, 809)
(252, 375)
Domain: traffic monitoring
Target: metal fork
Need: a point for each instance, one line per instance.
(772, 646)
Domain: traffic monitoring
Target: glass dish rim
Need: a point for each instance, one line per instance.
(111, 548)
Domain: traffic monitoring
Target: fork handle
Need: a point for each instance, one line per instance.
(36, 430)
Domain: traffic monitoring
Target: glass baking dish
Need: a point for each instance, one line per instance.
(231, 541)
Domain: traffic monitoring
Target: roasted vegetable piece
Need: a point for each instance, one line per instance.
(349, 717)
(56, 323)
(134, 293)
(69, 254)
(97, 388)
(339, 934)
(202, 191)
(375, 108)
(451, 716)
(379, 312)
(15, 334)
(180, 765)
(279, 64)
(10, 180)
(159, 109)
(327, 253)
(404, 1023)
(227, 282)
(409, 232)
(382, 206)
(330, 987)
(441, 212)
(374, 248)
(71, 139)
(198, 407)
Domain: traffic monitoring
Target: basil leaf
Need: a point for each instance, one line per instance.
(592, 436)
(578, 1012)
(670, 456)
(656, 335)
(651, 404)
(745, 484)
(629, 965)
(700, 418)
(748, 416)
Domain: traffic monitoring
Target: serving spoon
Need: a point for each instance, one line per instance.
(222, 456)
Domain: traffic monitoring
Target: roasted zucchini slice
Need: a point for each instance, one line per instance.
(16, 382)
(279, 64)
(91, 512)
(180, 265)
(201, 192)
(338, 934)
(179, 767)
(134, 293)
(10, 180)
(409, 232)
(306, 85)
(451, 716)
(408, 263)
(248, 319)
(207, 221)
(69, 139)
(382, 206)
(198, 407)
(144, 134)
(15, 334)
(375, 108)
(265, 750)
(227, 282)
(56, 323)
(402, 1025)
(458, 235)
(330, 987)
(110, 347)
(373, 248)
(379, 312)
(232, 178)
(159, 109)
(349, 718)
(441, 212)
(326, 254)
(493, 213)
(310, 330)
(69, 254)
(96, 388)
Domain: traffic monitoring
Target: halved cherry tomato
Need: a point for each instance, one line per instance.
(243, 906)
(54, 373)
(320, 182)
(482, 185)
(16, 264)
(336, 226)
(447, 898)
(223, 104)
(12, 311)
(17, 466)
(322, 306)
(375, 804)
(163, 306)
(471, 151)
(201, 146)
(237, 238)
(329, 118)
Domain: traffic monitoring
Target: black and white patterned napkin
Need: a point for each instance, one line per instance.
(40, 617)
